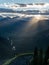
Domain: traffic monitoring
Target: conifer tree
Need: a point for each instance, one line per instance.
(46, 56)
(35, 57)
(41, 57)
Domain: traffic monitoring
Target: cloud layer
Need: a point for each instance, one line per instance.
(25, 6)
(24, 10)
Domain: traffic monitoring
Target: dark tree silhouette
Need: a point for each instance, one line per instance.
(35, 57)
(40, 57)
(46, 56)
(27, 62)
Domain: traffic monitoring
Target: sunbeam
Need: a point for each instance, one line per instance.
(33, 25)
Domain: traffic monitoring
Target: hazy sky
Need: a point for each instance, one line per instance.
(23, 1)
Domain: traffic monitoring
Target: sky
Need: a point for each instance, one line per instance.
(23, 1)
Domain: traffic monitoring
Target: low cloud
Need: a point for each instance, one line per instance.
(24, 10)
